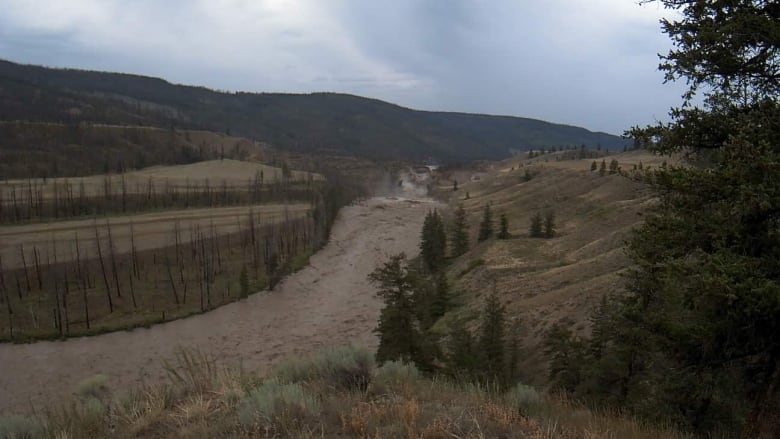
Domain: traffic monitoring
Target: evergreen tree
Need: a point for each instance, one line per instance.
(512, 355)
(603, 168)
(613, 166)
(459, 232)
(463, 360)
(696, 335)
(535, 230)
(566, 354)
(486, 226)
(549, 224)
(399, 330)
(492, 341)
(594, 166)
(503, 232)
(412, 304)
(601, 324)
(454, 185)
(440, 302)
(433, 244)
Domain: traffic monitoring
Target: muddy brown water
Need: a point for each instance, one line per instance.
(330, 302)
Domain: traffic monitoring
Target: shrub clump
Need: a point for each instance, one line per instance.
(274, 402)
(396, 372)
(92, 387)
(523, 398)
(342, 368)
(20, 427)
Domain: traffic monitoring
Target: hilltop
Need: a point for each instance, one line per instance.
(328, 123)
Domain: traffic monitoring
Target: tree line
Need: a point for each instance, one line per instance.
(38, 200)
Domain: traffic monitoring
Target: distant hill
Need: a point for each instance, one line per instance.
(318, 122)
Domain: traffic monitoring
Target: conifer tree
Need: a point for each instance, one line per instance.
(398, 330)
(549, 224)
(440, 302)
(594, 166)
(433, 245)
(600, 324)
(566, 354)
(459, 233)
(700, 315)
(462, 359)
(603, 167)
(535, 230)
(513, 352)
(486, 226)
(492, 340)
(503, 232)
(613, 166)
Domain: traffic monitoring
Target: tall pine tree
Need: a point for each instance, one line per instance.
(486, 226)
(702, 313)
(397, 330)
(492, 341)
(433, 243)
(503, 231)
(535, 229)
(459, 232)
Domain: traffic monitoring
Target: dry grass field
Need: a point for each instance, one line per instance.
(544, 281)
(56, 241)
(233, 174)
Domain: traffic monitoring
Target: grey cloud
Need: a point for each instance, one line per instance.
(591, 67)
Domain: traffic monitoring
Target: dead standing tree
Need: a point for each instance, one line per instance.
(103, 269)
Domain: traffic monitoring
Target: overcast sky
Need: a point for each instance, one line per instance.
(590, 63)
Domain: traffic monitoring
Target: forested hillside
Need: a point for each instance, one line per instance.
(320, 122)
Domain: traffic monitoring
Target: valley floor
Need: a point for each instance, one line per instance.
(327, 303)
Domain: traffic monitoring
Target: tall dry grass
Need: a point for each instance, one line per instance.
(338, 393)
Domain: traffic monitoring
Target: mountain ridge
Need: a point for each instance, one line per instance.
(320, 122)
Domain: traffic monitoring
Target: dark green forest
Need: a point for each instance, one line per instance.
(327, 123)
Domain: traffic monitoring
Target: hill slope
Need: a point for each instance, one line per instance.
(547, 281)
(319, 122)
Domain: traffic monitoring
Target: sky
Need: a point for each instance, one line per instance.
(590, 63)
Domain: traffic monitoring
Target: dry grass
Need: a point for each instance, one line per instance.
(544, 281)
(233, 173)
(562, 417)
(205, 400)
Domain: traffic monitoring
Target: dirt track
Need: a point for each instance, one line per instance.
(329, 302)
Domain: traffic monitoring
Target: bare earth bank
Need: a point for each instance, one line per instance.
(330, 302)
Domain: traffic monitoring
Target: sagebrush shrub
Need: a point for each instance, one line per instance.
(274, 401)
(20, 427)
(343, 368)
(93, 386)
(522, 397)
